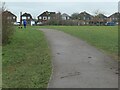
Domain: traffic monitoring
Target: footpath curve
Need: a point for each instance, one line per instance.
(76, 64)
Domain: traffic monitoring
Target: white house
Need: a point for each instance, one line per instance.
(65, 16)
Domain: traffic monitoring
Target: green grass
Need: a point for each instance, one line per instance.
(105, 38)
(26, 60)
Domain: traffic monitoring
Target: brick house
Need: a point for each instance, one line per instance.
(114, 18)
(10, 16)
(46, 16)
(85, 18)
(27, 17)
(100, 19)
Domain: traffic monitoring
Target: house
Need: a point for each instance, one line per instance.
(99, 19)
(65, 16)
(114, 18)
(85, 18)
(46, 16)
(27, 17)
(10, 16)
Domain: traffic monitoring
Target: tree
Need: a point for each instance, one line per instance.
(55, 19)
(97, 16)
(75, 16)
(58, 18)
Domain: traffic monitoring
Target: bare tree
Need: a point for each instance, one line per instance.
(3, 6)
(75, 16)
(97, 12)
(58, 17)
(97, 16)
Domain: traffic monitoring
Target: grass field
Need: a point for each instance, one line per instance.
(26, 60)
(105, 38)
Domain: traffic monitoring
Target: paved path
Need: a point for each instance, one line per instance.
(77, 64)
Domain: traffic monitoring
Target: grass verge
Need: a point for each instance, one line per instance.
(26, 60)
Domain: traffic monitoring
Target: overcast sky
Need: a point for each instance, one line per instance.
(37, 7)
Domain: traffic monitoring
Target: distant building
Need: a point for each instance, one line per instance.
(100, 19)
(45, 16)
(85, 18)
(65, 16)
(114, 18)
(10, 16)
(27, 17)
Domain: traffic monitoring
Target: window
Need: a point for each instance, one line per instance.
(87, 23)
(68, 17)
(48, 18)
(13, 17)
(63, 18)
(40, 17)
(116, 18)
(9, 18)
(44, 18)
(105, 18)
(84, 18)
(28, 17)
(23, 18)
(84, 23)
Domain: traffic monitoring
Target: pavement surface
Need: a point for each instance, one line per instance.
(76, 64)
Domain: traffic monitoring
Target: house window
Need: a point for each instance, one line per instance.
(23, 17)
(84, 18)
(13, 17)
(87, 23)
(44, 18)
(40, 17)
(48, 18)
(83, 23)
(63, 18)
(113, 18)
(68, 18)
(9, 18)
(28, 17)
